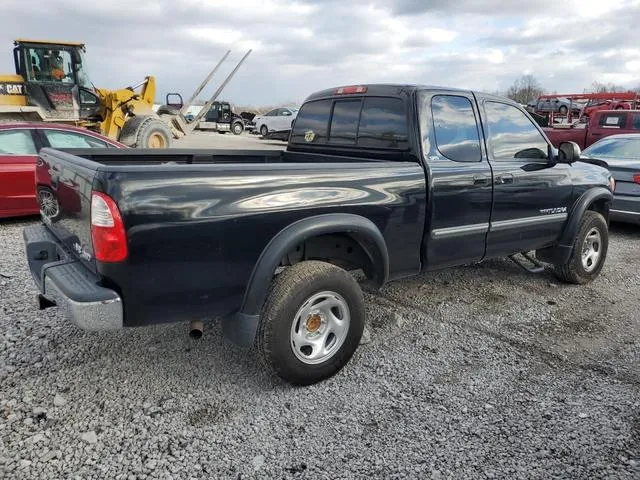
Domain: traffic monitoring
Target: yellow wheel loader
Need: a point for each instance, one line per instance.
(51, 84)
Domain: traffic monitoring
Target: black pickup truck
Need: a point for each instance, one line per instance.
(386, 180)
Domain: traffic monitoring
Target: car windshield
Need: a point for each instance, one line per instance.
(615, 148)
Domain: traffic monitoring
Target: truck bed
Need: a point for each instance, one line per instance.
(197, 220)
(145, 157)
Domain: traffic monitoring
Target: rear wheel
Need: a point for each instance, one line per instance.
(311, 323)
(589, 250)
(563, 110)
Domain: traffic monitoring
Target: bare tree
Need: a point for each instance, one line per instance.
(598, 87)
(524, 89)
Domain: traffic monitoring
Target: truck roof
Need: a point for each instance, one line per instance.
(396, 90)
(380, 89)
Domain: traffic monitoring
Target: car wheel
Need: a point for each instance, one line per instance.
(264, 131)
(563, 110)
(311, 323)
(589, 250)
(49, 206)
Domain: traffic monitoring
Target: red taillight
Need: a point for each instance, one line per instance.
(107, 229)
(350, 90)
(636, 178)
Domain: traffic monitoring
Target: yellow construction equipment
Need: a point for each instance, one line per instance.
(51, 84)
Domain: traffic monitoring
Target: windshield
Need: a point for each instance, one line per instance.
(615, 147)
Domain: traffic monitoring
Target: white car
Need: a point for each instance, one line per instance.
(276, 120)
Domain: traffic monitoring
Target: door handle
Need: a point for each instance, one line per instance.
(506, 178)
(480, 180)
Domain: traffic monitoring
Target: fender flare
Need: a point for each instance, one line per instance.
(582, 205)
(362, 229)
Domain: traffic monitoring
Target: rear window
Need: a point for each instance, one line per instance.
(383, 124)
(372, 122)
(312, 123)
(344, 122)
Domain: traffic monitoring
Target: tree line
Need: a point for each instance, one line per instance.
(527, 88)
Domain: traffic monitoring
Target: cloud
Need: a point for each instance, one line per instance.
(300, 46)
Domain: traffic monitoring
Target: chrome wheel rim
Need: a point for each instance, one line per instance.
(48, 203)
(237, 129)
(591, 250)
(320, 327)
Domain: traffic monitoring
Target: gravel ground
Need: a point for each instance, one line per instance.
(483, 371)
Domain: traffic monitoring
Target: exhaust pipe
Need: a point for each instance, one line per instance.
(195, 329)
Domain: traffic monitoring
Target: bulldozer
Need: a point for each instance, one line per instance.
(51, 84)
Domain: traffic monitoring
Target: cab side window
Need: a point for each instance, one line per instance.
(512, 134)
(456, 128)
(613, 120)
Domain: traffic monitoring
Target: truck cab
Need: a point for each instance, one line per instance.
(220, 118)
(600, 124)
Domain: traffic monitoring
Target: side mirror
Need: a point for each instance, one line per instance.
(568, 152)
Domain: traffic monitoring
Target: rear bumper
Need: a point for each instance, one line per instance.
(65, 282)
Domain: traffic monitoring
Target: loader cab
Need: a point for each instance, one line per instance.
(56, 79)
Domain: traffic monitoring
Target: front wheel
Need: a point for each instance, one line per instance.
(589, 250)
(237, 128)
(311, 323)
(264, 130)
(563, 110)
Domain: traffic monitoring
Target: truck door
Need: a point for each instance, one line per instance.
(459, 179)
(531, 195)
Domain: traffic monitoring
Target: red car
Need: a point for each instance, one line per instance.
(19, 145)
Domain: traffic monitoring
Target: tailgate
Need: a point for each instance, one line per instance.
(64, 183)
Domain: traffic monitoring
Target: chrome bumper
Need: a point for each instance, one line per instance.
(87, 315)
(65, 282)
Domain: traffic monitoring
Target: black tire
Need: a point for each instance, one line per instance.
(619, 107)
(153, 133)
(221, 132)
(563, 110)
(237, 128)
(574, 270)
(290, 290)
(167, 109)
(264, 131)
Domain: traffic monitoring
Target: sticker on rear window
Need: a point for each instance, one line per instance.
(309, 136)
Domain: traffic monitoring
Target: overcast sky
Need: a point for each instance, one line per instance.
(307, 45)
